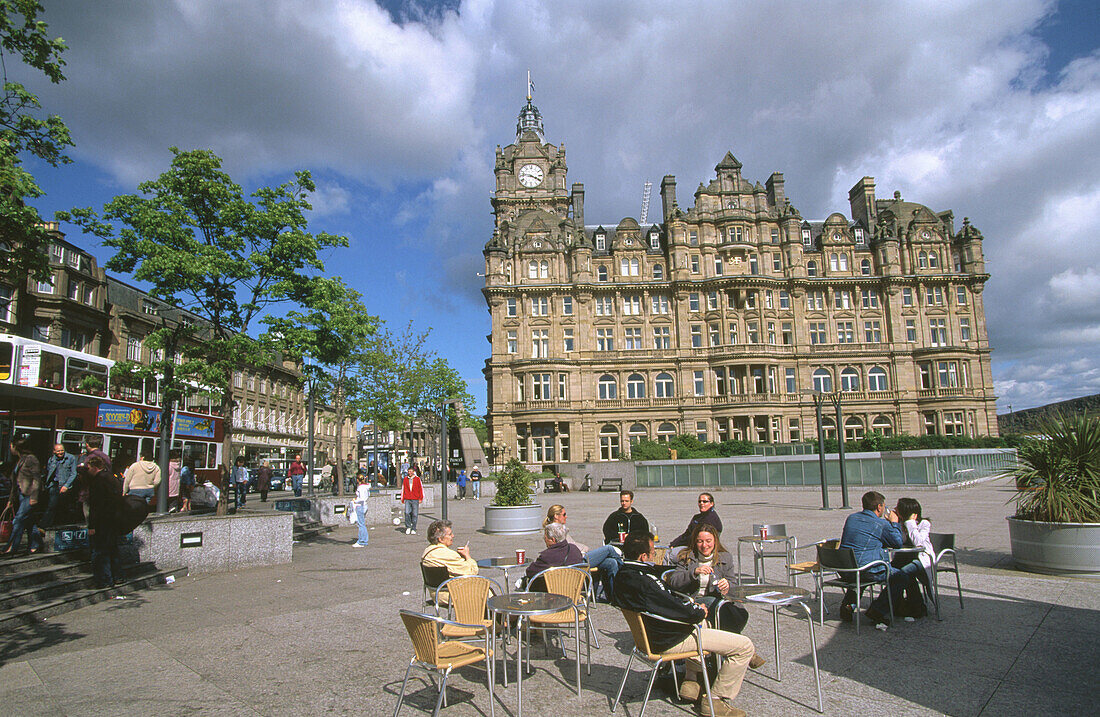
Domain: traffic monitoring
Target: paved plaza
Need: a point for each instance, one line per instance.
(322, 635)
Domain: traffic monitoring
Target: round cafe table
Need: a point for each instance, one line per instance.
(523, 606)
(504, 564)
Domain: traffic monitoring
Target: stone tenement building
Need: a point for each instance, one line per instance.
(721, 319)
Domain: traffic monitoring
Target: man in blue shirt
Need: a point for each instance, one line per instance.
(869, 533)
(60, 474)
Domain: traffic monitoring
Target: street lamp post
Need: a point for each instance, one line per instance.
(818, 398)
(835, 398)
(443, 449)
(309, 432)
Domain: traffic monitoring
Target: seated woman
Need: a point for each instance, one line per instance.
(559, 552)
(706, 516)
(916, 530)
(439, 552)
(556, 514)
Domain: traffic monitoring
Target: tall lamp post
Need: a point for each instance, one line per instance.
(443, 449)
(835, 397)
(818, 398)
(309, 431)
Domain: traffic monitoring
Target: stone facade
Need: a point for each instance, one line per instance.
(719, 320)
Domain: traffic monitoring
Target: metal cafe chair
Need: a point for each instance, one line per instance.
(434, 576)
(575, 584)
(760, 550)
(439, 657)
(850, 576)
(943, 547)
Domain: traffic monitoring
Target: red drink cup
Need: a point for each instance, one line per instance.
(521, 556)
(622, 536)
(763, 533)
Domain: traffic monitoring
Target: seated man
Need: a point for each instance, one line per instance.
(869, 533)
(609, 557)
(706, 514)
(558, 552)
(638, 587)
(439, 552)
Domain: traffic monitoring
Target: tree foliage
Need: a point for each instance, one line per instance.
(1058, 475)
(23, 132)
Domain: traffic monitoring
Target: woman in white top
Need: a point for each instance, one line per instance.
(359, 504)
(917, 531)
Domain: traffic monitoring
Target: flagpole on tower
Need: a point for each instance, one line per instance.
(528, 85)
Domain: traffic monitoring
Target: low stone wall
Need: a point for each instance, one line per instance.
(210, 543)
(380, 506)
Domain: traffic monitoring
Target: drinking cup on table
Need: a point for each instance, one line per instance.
(763, 532)
(521, 556)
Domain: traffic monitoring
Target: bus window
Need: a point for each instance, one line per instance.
(123, 452)
(125, 386)
(196, 453)
(5, 361)
(152, 392)
(87, 378)
(212, 455)
(73, 442)
(51, 371)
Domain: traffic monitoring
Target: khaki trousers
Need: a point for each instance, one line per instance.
(737, 651)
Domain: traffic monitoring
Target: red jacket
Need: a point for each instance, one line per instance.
(412, 490)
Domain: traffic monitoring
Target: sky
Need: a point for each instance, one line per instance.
(988, 108)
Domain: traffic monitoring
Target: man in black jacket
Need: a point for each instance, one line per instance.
(638, 587)
(623, 520)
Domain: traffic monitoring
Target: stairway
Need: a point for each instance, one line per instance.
(307, 529)
(34, 587)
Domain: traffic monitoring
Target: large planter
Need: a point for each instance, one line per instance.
(1055, 548)
(513, 519)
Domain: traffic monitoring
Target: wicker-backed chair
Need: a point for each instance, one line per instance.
(850, 576)
(575, 584)
(943, 547)
(645, 653)
(467, 596)
(809, 567)
(437, 656)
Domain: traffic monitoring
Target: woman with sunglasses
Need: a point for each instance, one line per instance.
(706, 516)
(556, 514)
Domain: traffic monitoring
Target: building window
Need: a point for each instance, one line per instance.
(922, 260)
(853, 428)
(632, 305)
(6, 310)
(948, 372)
(869, 298)
(609, 443)
(635, 386)
(540, 306)
(628, 267)
(791, 385)
(753, 332)
(750, 299)
(910, 330)
(883, 425)
(605, 340)
(964, 328)
(775, 236)
(533, 270)
(930, 423)
(849, 379)
(57, 252)
(654, 240)
(787, 333)
(933, 260)
(74, 290)
(934, 296)
(540, 343)
(604, 306)
(701, 430)
(807, 239)
(659, 304)
(872, 332)
(712, 301)
(861, 236)
(754, 265)
(510, 306)
(89, 295)
(693, 238)
(906, 296)
(823, 381)
(663, 386)
(784, 300)
(601, 241)
(567, 305)
(811, 268)
(637, 433)
(601, 273)
(817, 332)
(865, 267)
(562, 381)
(511, 342)
(661, 338)
(938, 330)
(777, 261)
(771, 332)
(768, 299)
(876, 379)
(608, 389)
(46, 287)
(718, 269)
(842, 300)
(960, 295)
(696, 336)
(794, 430)
(694, 263)
(714, 329)
(658, 271)
(251, 383)
(693, 302)
(953, 423)
(845, 332)
(540, 387)
(519, 395)
(698, 385)
(632, 338)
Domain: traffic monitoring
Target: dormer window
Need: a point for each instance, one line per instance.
(654, 240)
(861, 236)
(601, 241)
(807, 239)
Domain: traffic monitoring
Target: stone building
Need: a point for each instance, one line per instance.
(722, 318)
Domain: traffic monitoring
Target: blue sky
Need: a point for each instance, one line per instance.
(991, 109)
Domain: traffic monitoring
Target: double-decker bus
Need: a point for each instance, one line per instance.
(57, 395)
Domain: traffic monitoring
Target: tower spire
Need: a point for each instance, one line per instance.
(530, 120)
(530, 87)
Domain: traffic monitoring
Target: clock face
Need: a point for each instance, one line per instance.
(530, 175)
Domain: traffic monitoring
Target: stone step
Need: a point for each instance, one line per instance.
(40, 574)
(310, 530)
(43, 592)
(25, 562)
(12, 618)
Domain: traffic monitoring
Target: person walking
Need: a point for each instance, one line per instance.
(104, 503)
(412, 492)
(475, 482)
(141, 478)
(461, 483)
(263, 480)
(26, 485)
(173, 481)
(240, 482)
(60, 474)
(296, 473)
(187, 484)
(359, 504)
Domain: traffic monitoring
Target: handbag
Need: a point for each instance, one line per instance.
(352, 519)
(6, 524)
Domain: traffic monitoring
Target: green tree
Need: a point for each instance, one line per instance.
(332, 328)
(23, 133)
(205, 247)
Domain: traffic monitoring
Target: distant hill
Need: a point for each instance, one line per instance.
(1027, 420)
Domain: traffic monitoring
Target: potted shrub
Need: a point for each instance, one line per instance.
(512, 511)
(1056, 528)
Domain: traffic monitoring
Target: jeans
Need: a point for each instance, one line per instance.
(26, 518)
(461, 492)
(608, 559)
(53, 498)
(412, 512)
(296, 482)
(145, 493)
(242, 492)
(361, 517)
(477, 489)
(899, 579)
(106, 565)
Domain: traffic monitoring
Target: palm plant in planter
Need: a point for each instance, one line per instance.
(512, 511)
(1057, 523)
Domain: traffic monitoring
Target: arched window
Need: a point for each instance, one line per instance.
(665, 432)
(823, 380)
(865, 267)
(601, 273)
(828, 425)
(834, 264)
(883, 425)
(922, 259)
(609, 443)
(608, 388)
(658, 271)
(635, 386)
(849, 379)
(533, 270)
(637, 433)
(933, 260)
(811, 268)
(663, 386)
(544, 269)
(843, 262)
(853, 428)
(876, 379)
